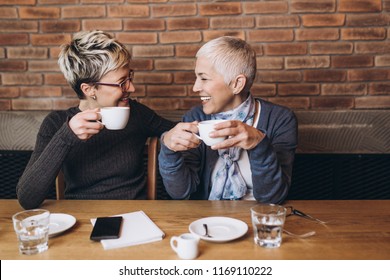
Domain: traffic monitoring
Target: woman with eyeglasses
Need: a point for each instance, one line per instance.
(97, 163)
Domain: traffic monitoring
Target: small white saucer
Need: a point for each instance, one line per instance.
(221, 229)
(60, 223)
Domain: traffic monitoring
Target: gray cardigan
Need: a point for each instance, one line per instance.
(188, 174)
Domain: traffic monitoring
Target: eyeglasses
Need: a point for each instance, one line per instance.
(123, 85)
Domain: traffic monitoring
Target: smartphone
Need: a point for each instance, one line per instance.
(106, 228)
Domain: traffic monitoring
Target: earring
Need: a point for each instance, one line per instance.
(93, 97)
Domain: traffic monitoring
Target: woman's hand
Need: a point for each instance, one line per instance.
(239, 135)
(181, 137)
(85, 125)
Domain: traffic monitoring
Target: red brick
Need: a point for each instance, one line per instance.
(57, 26)
(386, 5)
(323, 20)
(372, 47)
(104, 1)
(21, 79)
(368, 20)
(352, 61)
(153, 51)
(102, 24)
(175, 64)
(188, 103)
(360, 5)
(153, 78)
(324, 75)
(184, 77)
(277, 7)
(87, 11)
(28, 53)
(18, 2)
(49, 39)
(344, 89)
(233, 8)
(173, 10)
(310, 6)
(292, 102)
(211, 34)
(55, 79)
(263, 90)
(381, 88)
(383, 60)
(66, 2)
(285, 49)
(331, 48)
(5, 105)
(298, 89)
(270, 35)
(8, 13)
(233, 22)
(368, 75)
(41, 91)
(32, 104)
(13, 39)
(187, 23)
(2, 53)
(9, 92)
(162, 103)
(137, 38)
(142, 64)
(186, 50)
(13, 65)
(277, 21)
(39, 12)
(43, 66)
(125, 11)
(363, 34)
(332, 102)
(270, 63)
(142, 24)
(302, 62)
(166, 90)
(180, 37)
(279, 76)
(63, 104)
(372, 102)
(18, 26)
(315, 34)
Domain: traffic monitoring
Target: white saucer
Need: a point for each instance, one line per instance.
(221, 229)
(60, 223)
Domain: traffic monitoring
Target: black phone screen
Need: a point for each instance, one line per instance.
(106, 228)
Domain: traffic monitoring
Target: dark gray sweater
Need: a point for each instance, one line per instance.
(107, 166)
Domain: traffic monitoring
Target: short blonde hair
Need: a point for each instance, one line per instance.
(90, 56)
(231, 57)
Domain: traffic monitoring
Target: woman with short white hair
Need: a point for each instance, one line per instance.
(256, 159)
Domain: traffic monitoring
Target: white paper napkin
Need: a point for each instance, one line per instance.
(137, 228)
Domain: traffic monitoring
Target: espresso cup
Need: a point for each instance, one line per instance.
(185, 246)
(115, 118)
(205, 127)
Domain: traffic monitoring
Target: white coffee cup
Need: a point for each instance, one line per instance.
(115, 118)
(185, 245)
(205, 127)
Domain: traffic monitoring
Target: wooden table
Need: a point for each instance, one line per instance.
(356, 230)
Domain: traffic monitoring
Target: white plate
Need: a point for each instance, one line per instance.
(221, 229)
(60, 223)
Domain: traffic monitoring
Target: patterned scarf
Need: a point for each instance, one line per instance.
(228, 182)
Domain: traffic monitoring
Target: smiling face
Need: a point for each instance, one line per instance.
(215, 94)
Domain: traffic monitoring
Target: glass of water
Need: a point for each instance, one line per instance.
(268, 221)
(32, 230)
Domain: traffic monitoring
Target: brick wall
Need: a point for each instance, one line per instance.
(311, 54)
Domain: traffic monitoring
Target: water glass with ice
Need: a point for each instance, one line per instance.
(268, 221)
(32, 230)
